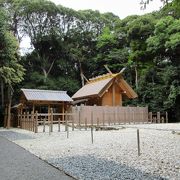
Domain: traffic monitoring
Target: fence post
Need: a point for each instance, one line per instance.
(92, 138)
(67, 131)
(73, 115)
(118, 115)
(109, 118)
(79, 118)
(36, 122)
(114, 116)
(150, 117)
(24, 121)
(27, 121)
(166, 117)
(85, 123)
(133, 119)
(138, 142)
(59, 125)
(44, 124)
(66, 123)
(91, 117)
(155, 119)
(32, 121)
(103, 117)
(97, 122)
(158, 117)
(51, 119)
(162, 119)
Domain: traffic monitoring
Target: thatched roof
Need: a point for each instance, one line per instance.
(97, 86)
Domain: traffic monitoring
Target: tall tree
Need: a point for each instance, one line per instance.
(11, 72)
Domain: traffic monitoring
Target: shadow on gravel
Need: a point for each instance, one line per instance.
(13, 136)
(90, 167)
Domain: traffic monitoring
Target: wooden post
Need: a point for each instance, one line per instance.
(65, 118)
(67, 130)
(142, 113)
(91, 117)
(44, 124)
(21, 114)
(138, 142)
(73, 121)
(27, 121)
(155, 119)
(32, 121)
(162, 119)
(118, 116)
(79, 119)
(51, 118)
(85, 123)
(33, 109)
(97, 122)
(49, 112)
(24, 121)
(18, 116)
(59, 129)
(63, 113)
(114, 116)
(150, 117)
(92, 138)
(133, 116)
(36, 122)
(166, 117)
(158, 117)
(109, 120)
(103, 117)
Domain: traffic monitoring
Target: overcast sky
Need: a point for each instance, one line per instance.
(122, 8)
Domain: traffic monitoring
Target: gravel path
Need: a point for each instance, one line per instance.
(18, 164)
(113, 154)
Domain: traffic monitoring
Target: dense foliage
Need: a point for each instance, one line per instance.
(68, 43)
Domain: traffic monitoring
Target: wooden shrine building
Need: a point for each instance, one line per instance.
(109, 89)
(32, 100)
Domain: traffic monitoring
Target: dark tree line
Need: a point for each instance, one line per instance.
(68, 43)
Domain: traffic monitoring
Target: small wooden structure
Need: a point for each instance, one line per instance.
(32, 100)
(108, 89)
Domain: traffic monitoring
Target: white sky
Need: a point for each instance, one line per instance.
(122, 8)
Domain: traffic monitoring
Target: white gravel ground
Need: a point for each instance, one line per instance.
(113, 154)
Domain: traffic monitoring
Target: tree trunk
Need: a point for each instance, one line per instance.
(81, 73)
(5, 116)
(45, 75)
(136, 76)
(9, 114)
(2, 94)
(9, 107)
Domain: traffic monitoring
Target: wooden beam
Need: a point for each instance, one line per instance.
(63, 112)
(33, 108)
(109, 71)
(49, 110)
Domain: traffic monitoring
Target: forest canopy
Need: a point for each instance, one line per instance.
(68, 43)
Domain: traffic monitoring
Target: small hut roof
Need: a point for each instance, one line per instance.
(92, 88)
(97, 86)
(45, 95)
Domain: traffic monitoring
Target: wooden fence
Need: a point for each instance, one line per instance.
(158, 117)
(85, 116)
(105, 115)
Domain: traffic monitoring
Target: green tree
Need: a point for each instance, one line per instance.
(11, 72)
